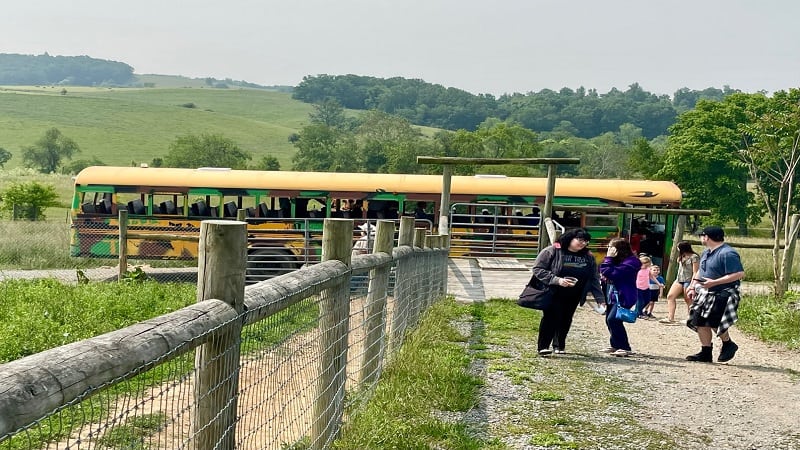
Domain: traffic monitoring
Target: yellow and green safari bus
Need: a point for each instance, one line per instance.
(490, 215)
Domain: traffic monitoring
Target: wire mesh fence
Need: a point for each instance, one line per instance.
(89, 248)
(305, 349)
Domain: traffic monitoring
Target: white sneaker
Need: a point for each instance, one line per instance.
(607, 350)
(622, 352)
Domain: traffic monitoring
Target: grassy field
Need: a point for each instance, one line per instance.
(124, 125)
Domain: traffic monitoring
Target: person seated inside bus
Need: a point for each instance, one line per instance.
(376, 209)
(420, 212)
(357, 209)
(392, 211)
(532, 218)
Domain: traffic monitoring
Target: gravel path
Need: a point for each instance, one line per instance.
(751, 402)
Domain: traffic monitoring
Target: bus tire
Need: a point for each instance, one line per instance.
(266, 263)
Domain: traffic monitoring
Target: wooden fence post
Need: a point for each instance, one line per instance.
(334, 310)
(376, 304)
(221, 269)
(402, 284)
(123, 244)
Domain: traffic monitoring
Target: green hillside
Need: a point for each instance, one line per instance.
(124, 125)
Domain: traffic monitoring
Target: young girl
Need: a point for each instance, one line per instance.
(656, 290)
(688, 264)
(643, 285)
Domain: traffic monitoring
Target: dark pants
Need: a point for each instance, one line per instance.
(619, 337)
(556, 322)
(642, 299)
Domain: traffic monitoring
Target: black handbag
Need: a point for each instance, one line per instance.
(537, 294)
(536, 297)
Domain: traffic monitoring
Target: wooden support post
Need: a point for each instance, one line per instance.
(221, 269)
(547, 211)
(376, 306)
(444, 203)
(123, 244)
(334, 310)
(672, 267)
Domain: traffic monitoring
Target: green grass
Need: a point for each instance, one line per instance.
(122, 125)
(133, 433)
(38, 315)
(770, 319)
(430, 374)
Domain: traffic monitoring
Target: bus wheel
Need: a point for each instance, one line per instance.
(264, 264)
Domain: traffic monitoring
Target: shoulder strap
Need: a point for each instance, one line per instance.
(558, 262)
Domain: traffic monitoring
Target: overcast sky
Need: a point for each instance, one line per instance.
(498, 46)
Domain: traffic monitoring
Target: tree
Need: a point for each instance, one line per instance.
(702, 157)
(268, 162)
(206, 150)
(771, 152)
(5, 156)
(330, 113)
(80, 164)
(46, 154)
(321, 148)
(28, 200)
(643, 159)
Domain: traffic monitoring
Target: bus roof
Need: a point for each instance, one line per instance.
(640, 192)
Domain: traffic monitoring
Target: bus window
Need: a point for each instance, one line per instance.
(168, 204)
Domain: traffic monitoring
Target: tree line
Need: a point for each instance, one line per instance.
(67, 70)
(582, 112)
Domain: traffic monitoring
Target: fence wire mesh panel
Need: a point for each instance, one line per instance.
(305, 352)
(153, 406)
(164, 250)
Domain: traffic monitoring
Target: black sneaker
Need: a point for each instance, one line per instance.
(703, 356)
(728, 351)
(545, 352)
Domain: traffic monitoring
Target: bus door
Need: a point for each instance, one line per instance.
(647, 234)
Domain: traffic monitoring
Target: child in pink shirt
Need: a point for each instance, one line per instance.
(643, 285)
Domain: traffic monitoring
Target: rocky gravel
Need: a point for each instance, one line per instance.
(751, 402)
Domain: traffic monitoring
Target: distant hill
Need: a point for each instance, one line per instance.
(120, 126)
(62, 70)
(178, 81)
(36, 70)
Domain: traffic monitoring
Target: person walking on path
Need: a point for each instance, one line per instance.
(688, 264)
(570, 269)
(714, 291)
(619, 268)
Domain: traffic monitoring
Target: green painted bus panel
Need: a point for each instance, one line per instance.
(313, 194)
(101, 248)
(204, 191)
(95, 188)
(385, 196)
